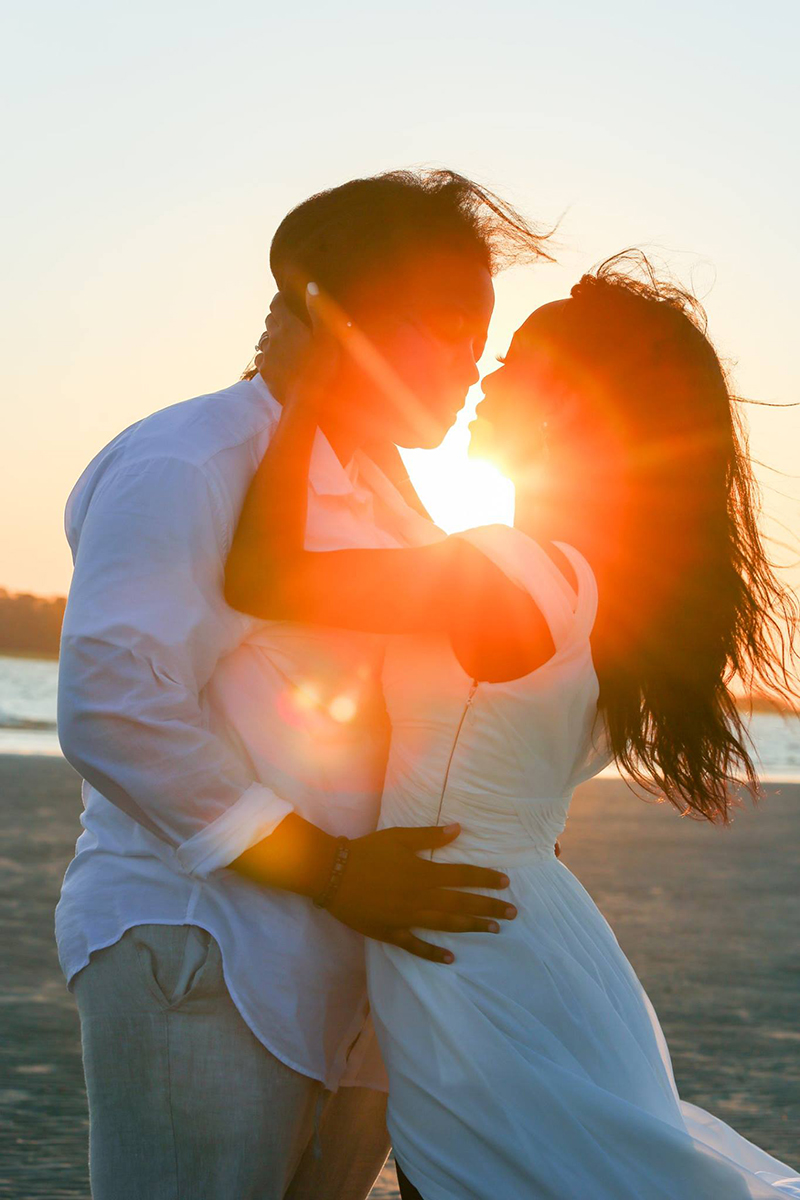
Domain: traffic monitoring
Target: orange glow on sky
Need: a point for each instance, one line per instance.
(154, 149)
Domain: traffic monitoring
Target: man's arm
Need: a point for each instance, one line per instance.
(145, 626)
(144, 629)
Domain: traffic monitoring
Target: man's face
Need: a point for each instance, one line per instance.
(422, 329)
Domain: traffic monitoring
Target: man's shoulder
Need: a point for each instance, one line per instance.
(199, 430)
(223, 434)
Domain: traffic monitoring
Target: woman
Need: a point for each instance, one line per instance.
(606, 624)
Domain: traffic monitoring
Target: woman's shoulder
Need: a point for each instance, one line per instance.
(557, 577)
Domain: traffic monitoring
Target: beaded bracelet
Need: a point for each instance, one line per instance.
(323, 900)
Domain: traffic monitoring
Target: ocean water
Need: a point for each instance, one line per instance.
(28, 706)
(28, 720)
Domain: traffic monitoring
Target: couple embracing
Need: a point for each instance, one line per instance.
(327, 751)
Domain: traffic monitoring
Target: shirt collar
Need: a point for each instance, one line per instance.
(327, 476)
(417, 528)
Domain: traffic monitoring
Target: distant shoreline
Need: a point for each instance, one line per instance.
(31, 625)
(43, 655)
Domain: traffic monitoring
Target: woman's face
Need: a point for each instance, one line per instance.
(526, 399)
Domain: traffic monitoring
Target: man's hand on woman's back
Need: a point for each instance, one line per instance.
(387, 888)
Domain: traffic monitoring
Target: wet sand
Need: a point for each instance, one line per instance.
(709, 918)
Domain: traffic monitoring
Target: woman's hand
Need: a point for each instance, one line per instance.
(282, 347)
(316, 366)
(298, 359)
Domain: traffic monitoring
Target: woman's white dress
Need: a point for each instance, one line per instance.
(533, 1067)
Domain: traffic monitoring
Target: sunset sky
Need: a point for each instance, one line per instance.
(151, 149)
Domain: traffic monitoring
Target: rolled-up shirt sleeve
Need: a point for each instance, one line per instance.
(145, 626)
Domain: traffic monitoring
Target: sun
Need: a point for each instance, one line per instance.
(458, 491)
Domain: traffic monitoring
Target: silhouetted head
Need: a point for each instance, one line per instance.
(409, 258)
(611, 389)
(613, 412)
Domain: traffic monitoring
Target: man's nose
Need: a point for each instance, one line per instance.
(474, 374)
(468, 363)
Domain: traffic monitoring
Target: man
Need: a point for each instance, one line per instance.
(224, 1018)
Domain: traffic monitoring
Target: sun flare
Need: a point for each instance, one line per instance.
(460, 492)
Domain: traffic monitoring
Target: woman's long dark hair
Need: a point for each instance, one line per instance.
(689, 599)
(343, 235)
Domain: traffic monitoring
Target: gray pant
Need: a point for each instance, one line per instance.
(186, 1104)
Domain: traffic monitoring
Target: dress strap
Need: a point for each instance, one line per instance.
(586, 609)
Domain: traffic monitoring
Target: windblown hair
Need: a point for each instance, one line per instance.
(343, 235)
(688, 596)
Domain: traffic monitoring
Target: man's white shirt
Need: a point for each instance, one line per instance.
(197, 729)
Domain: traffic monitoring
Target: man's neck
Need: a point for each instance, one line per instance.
(345, 440)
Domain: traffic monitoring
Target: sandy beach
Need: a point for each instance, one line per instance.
(709, 918)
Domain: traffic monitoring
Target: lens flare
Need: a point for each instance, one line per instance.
(343, 709)
(307, 696)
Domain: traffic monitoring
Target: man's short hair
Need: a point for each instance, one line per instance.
(343, 235)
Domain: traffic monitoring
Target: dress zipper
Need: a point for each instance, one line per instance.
(473, 689)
